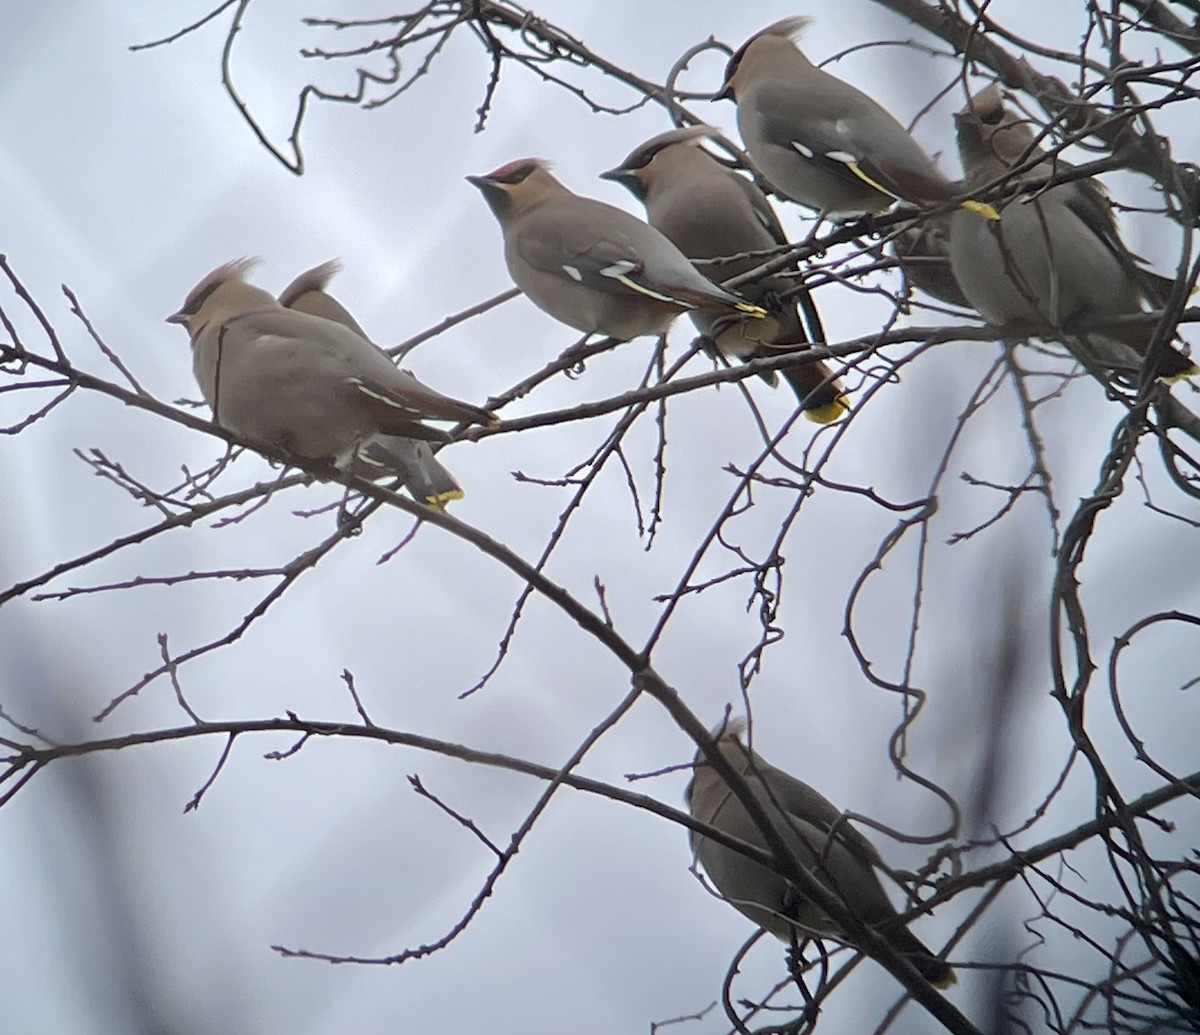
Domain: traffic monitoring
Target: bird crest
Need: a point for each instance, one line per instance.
(235, 269)
(518, 170)
(792, 28)
(644, 153)
(315, 279)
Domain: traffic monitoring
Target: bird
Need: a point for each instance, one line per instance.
(836, 854)
(708, 211)
(821, 141)
(1054, 257)
(299, 383)
(308, 294)
(591, 265)
(922, 248)
(410, 459)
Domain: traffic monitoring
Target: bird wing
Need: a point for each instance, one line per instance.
(763, 212)
(850, 137)
(821, 395)
(404, 386)
(331, 354)
(570, 247)
(1088, 200)
(611, 266)
(800, 800)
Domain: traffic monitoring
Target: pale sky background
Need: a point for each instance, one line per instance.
(128, 176)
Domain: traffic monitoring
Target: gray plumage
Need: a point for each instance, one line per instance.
(301, 383)
(819, 140)
(923, 250)
(710, 212)
(591, 265)
(823, 842)
(411, 460)
(1054, 258)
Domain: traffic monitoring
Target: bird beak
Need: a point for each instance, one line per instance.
(629, 179)
(619, 175)
(180, 317)
(725, 93)
(494, 192)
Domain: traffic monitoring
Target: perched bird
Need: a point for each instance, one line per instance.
(1054, 257)
(835, 853)
(409, 459)
(301, 383)
(821, 141)
(923, 249)
(709, 212)
(308, 294)
(591, 265)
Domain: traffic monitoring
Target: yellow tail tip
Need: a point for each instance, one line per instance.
(439, 500)
(945, 982)
(1183, 375)
(828, 413)
(750, 309)
(981, 207)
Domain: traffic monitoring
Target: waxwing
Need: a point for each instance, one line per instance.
(591, 265)
(923, 250)
(1054, 257)
(823, 842)
(308, 294)
(709, 211)
(301, 383)
(409, 459)
(821, 141)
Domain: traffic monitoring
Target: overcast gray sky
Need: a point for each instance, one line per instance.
(127, 176)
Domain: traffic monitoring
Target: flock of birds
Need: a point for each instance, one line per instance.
(299, 374)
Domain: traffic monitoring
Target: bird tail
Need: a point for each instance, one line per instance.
(936, 971)
(1155, 286)
(821, 396)
(413, 462)
(981, 208)
(1173, 366)
(718, 300)
(396, 410)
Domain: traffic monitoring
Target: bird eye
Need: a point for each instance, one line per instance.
(646, 157)
(992, 117)
(517, 174)
(192, 307)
